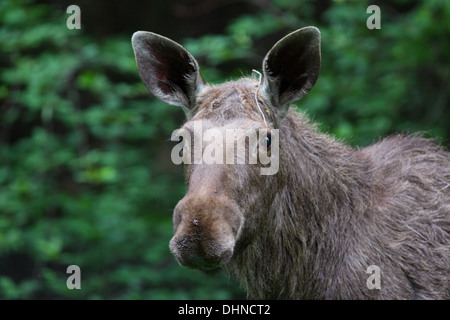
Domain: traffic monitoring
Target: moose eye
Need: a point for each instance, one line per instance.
(179, 140)
(268, 141)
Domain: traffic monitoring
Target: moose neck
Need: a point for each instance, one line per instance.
(323, 176)
(326, 187)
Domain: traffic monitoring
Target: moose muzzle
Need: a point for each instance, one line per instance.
(206, 228)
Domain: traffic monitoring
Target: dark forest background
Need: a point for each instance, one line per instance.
(85, 172)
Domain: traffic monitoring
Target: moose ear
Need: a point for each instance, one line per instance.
(292, 66)
(168, 70)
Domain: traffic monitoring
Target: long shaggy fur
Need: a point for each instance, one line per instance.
(312, 230)
(333, 211)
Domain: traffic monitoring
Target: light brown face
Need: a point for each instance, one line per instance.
(210, 219)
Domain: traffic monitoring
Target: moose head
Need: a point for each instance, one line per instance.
(227, 202)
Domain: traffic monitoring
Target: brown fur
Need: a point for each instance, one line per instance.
(311, 230)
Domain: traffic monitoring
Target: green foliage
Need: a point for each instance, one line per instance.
(83, 174)
(85, 170)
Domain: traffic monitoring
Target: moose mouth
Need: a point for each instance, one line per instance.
(206, 263)
(192, 255)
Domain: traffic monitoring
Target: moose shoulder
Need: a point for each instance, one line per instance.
(312, 229)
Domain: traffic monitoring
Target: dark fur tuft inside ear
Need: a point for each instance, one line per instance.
(168, 70)
(292, 66)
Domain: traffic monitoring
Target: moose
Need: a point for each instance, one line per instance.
(331, 211)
